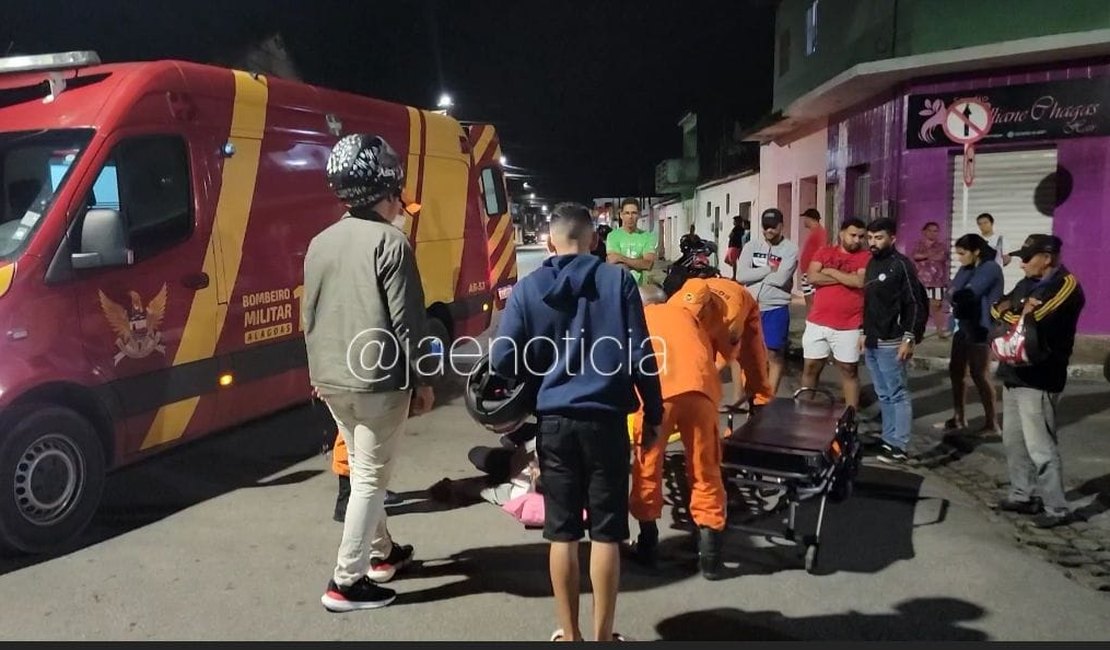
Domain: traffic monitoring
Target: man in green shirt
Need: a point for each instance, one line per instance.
(629, 246)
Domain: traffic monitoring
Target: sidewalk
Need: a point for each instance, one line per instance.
(1089, 360)
(978, 467)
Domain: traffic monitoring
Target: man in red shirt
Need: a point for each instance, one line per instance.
(833, 324)
(817, 239)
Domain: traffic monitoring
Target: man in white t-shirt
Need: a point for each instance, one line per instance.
(986, 229)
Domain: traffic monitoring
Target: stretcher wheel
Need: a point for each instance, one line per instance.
(811, 558)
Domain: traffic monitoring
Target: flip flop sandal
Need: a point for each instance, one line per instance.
(557, 635)
(619, 637)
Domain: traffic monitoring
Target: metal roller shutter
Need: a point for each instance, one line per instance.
(1004, 186)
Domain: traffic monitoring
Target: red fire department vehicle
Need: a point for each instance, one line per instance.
(153, 222)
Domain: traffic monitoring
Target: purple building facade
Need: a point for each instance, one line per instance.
(891, 156)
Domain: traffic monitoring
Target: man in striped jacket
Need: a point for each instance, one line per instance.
(1048, 302)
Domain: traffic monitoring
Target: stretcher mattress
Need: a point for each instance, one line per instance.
(788, 438)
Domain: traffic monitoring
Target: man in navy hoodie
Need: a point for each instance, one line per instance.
(577, 326)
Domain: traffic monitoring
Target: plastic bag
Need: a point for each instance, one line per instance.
(1010, 347)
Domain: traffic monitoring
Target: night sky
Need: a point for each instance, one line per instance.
(586, 95)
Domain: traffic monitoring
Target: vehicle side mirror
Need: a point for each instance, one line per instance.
(103, 241)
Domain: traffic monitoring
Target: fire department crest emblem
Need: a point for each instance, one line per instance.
(136, 327)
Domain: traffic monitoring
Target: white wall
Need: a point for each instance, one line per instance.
(673, 218)
(723, 199)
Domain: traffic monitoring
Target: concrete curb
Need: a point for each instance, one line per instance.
(1081, 371)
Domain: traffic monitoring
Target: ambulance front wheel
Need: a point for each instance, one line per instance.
(51, 476)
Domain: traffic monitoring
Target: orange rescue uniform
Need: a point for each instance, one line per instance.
(687, 335)
(339, 463)
(746, 335)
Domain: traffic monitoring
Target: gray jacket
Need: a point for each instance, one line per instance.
(364, 316)
(768, 271)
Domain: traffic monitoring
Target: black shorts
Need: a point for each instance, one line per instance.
(584, 466)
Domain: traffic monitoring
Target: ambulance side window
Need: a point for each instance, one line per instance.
(493, 191)
(147, 181)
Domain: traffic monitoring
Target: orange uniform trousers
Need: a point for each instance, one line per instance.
(696, 418)
(339, 463)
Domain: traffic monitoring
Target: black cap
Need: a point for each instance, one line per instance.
(771, 217)
(1035, 244)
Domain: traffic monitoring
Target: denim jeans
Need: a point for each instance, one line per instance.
(1029, 437)
(888, 375)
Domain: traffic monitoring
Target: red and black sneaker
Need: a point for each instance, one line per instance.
(383, 570)
(364, 594)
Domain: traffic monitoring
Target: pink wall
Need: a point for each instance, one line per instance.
(802, 158)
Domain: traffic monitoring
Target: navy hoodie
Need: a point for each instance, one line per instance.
(578, 324)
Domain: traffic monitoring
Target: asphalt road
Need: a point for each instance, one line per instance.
(232, 538)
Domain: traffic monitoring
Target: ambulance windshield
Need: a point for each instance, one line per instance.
(33, 167)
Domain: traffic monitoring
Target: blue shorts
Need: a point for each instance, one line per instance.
(776, 327)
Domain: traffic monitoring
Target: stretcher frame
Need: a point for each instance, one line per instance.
(835, 479)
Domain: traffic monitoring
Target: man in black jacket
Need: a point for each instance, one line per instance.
(1049, 300)
(889, 314)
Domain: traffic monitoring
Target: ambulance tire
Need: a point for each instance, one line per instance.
(52, 473)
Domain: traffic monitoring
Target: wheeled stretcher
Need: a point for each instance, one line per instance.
(787, 452)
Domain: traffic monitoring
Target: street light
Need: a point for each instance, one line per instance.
(527, 185)
(445, 101)
(504, 161)
(545, 207)
(532, 196)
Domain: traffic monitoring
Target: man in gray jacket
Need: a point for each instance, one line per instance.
(766, 267)
(364, 324)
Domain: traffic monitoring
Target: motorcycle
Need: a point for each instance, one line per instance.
(693, 263)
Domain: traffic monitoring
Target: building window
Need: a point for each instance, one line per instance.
(728, 203)
(784, 52)
(811, 28)
(744, 211)
(708, 209)
(859, 181)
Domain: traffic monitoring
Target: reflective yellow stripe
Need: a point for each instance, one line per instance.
(412, 169)
(225, 249)
(498, 233)
(7, 272)
(506, 256)
(439, 233)
(483, 143)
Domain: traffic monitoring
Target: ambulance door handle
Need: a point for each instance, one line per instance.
(195, 281)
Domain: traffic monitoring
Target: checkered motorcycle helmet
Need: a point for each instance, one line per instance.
(363, 169)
